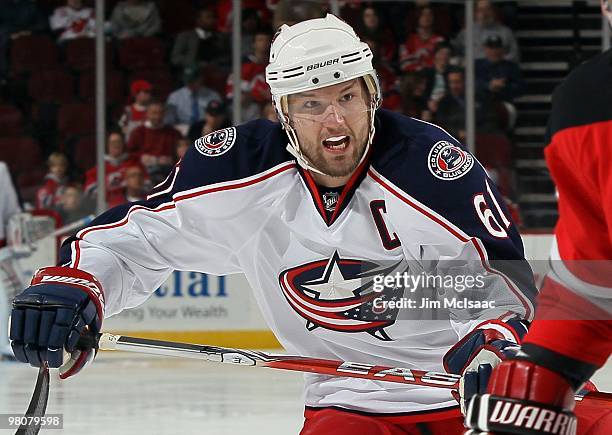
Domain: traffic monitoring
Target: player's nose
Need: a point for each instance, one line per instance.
(333, 115)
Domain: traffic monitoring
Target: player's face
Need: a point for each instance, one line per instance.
(332, 125)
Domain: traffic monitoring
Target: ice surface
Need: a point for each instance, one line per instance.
(126, 394)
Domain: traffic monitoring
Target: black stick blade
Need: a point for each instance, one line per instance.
(38, 404)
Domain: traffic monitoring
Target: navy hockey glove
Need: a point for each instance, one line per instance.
(61, 307)
(476, 354)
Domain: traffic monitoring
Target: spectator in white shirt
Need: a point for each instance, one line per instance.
(73, 21)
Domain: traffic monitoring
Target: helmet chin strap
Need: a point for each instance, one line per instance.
(294, 146)
(294, 149)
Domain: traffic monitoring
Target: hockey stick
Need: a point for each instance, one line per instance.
(70, 227)
(243, 357)
(400, 375)
(38, 404)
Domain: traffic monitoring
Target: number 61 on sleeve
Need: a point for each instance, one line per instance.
(487, 217)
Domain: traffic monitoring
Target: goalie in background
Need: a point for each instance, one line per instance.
(9, 206)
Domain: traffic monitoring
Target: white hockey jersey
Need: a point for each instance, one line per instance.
(239, 203)
(73, 23)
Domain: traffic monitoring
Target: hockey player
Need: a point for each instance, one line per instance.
(572, 334)
(311, 210)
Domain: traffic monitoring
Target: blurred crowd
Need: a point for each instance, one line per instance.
(169, 82)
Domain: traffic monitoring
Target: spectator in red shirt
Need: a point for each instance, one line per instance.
(418, 50)
(134, 114)
(154, 143)
(115, 160)
(372, 28)
(54, 183)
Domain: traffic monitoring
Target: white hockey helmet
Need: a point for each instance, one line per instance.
(314, 54)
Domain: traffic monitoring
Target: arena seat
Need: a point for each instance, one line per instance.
(76, 119)
(11, 120)
(33, 53)
(21, 153)
(84, 152)
(29, 181)
(51, 85)
(138, 53)
(115, 86)
(81, 54)
(176, 16)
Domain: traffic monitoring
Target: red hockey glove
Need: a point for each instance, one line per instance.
(533, 393)
(524, 398)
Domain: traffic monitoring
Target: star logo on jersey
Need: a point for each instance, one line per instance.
(449, 162)
(216, 143)
(337, 294)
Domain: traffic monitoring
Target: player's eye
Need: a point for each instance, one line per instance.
(311, 104)
(347, 97)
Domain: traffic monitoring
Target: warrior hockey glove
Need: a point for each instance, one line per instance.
(475, 356)
(526, 399)
(531, 393)
(62, 307)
